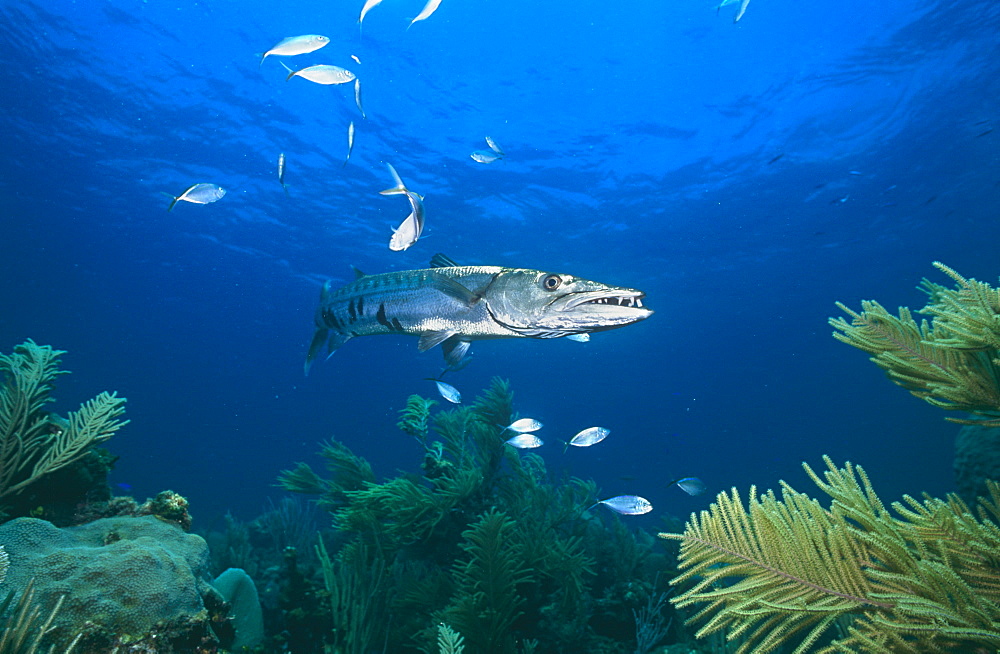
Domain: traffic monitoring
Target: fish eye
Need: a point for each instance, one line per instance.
(551, 282)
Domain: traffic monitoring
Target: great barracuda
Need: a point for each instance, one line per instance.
(454, 305)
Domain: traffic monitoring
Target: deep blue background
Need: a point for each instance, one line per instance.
(641, 141)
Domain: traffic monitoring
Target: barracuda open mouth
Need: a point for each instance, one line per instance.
(631, 301)
(617, 301)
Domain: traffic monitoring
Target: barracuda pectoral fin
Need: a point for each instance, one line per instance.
(453, 289)
(430, 339)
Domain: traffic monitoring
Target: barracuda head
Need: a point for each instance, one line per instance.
(548, 305)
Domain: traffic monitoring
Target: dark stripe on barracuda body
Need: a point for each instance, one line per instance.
(458, 304)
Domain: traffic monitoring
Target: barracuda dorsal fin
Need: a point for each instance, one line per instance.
(430, 339)
(357, 273)
(441, 261)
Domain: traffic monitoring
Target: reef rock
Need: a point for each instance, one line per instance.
(126, 580)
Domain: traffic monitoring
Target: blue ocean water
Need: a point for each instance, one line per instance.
(744, 175)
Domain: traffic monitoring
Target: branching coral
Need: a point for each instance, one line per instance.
(953, 362)
(33, 442)
(482, 540)
(487, 599)
(348, 472)
(776, 571)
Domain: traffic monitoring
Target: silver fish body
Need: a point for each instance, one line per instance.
(323, 74)
(589, 436)
(627, 504)
(466, 303)
(448, 392)
(525, 441)
(350, 142)
(281, 172)
(484, 156)
(296, 45)
(357, 96)
(200, 194)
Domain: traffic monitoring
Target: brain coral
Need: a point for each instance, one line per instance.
(124, 578)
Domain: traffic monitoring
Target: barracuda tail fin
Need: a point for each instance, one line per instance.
(319, 339)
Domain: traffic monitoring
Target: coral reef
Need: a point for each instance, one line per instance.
(33, 442)
(794, 573)
(482, 541)
(953, 362)
(125, 581)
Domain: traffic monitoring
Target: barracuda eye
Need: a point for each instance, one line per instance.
(551, 282)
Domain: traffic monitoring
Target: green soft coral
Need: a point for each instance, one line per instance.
(487, 598)
(953, 361)
(783, 572)
(34, 442)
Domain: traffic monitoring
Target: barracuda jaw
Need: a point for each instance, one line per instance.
(618, 298)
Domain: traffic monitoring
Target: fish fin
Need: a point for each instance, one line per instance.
(565, 446)
(579, 338)
(319, 338)
(324, 292)
(453, 289)
(454, 350)
(173, 202)
(262, 58)
(430, 339)
(441, 261)
(357, 273)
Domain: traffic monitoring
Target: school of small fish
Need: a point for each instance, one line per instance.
(488, 156)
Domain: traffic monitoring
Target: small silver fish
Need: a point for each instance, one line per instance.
(350, 142)
(200, 194)
(357, 97)
(356, 60)
(369, 5)
(690, 485)
(296, 45)
(589, 436)
(425, 13)
(281, 172)
(743, 9)
(447, 391)
(524, 441)
(493, 146)
(484, 156)
(524, 425)
(626, 504)
(579, 338)
(323, 74)
(412, 227)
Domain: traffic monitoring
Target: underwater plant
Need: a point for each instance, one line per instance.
(21, 631)
(953, 362)
(33, 442)
(483, 540)
(792, 572)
